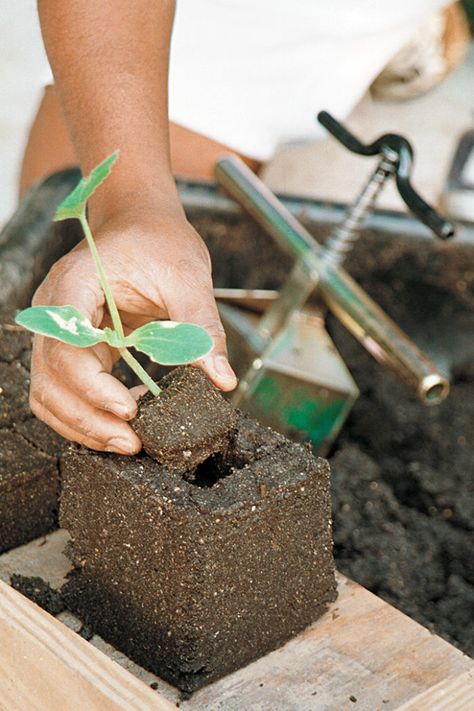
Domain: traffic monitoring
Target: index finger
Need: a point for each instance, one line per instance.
(87, 372)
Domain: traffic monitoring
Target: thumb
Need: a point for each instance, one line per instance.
(197, 305)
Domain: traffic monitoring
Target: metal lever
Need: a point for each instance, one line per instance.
(399, 151)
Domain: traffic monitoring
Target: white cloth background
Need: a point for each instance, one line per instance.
(252, 74)
(249, 73)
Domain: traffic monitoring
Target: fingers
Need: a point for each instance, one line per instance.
(137, 391)
(77, 420)
(68, 282)
(194, 302)
(64, 430)
(216, 364)
(72, 389)
(80, 415)
(86, 372)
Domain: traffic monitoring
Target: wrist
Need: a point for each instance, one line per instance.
(137, 202)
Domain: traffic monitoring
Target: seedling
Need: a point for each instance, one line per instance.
(165, 342)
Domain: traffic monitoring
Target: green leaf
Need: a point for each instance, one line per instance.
(64, 323)
(171, 343)
(74, 204)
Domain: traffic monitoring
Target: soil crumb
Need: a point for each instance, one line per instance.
(40, 592)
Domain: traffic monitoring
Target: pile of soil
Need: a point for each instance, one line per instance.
(40, 592)
(403, 497)
(403, 491)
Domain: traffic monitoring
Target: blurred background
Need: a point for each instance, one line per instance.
(433, 122)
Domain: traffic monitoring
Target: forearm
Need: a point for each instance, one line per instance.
(110, 61)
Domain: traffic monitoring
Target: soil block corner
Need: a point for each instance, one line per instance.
(196, 578)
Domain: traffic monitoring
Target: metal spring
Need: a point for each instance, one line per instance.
(344, 236)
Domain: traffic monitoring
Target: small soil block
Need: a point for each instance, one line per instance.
(195, 578)
(187, 422)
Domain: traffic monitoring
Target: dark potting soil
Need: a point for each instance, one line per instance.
(187, 423)
(181, 574)
(402, 473)
(29, 477)
(40, 592)
(403, 497)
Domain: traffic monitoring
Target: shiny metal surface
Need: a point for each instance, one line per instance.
(352, 306)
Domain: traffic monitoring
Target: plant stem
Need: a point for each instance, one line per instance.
(139, 371)
(113, 311)
(111, 305)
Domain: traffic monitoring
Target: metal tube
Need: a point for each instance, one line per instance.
(293, 295)
(383, 339)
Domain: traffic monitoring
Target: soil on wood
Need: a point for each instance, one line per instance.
(193, 578)
(40, 592)
(29, 450)
(402, 482)
(187, 423)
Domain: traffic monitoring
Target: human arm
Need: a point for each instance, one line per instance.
(110, 60)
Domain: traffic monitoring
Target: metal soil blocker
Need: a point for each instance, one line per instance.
(291, 375)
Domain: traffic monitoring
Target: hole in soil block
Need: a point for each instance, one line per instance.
(210, 472)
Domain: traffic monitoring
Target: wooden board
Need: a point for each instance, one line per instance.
(456, 693)
(46, 667)
(362, 649)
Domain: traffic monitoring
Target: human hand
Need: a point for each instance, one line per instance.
(158, 267)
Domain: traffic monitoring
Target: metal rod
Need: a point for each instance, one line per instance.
(293, 295)
(352, 306)
(257, 300)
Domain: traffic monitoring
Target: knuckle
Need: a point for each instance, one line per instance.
(81, 423)
(86, 436)
(193, 273)
(94, 396)
(64, 281)
(210, 322)
(216, 330)
(38, 390)
(57, 356)
(35, 406)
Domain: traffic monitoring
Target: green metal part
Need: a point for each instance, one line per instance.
(297, 382)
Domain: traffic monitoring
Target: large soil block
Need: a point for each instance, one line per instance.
(194, 578)
(28, 491)
(29, 477)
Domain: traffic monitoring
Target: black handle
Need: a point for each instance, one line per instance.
(399, 145)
